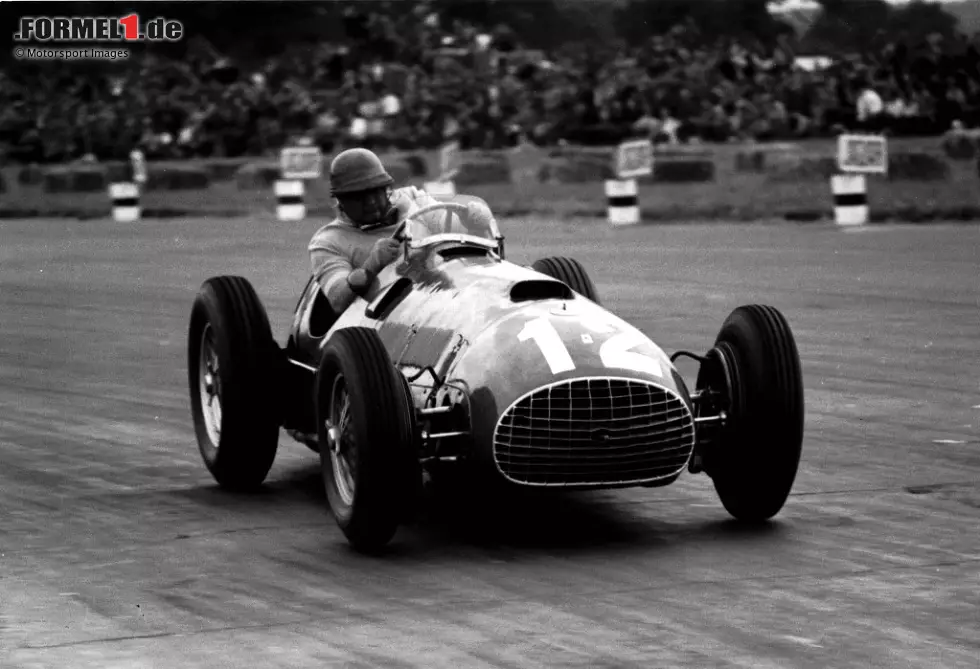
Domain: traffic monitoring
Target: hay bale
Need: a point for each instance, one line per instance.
(961, 144)
(573, 166)
(56, 180)
(88, 179)
(574, 170)
(178, 177)
(118, 172)
(807, 168)
(750, 161)
(917, 166)
(757, 158)
(161, 176)
(682, 171)
(483, 168)
(75, 179)
(257, 176)
(682, 152)
(223, 169)
(30, 175)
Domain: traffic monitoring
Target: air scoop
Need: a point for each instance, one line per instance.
(540, 289)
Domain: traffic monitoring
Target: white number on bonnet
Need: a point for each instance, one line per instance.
(614, 353)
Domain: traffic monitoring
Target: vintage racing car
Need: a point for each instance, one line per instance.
(460, 363)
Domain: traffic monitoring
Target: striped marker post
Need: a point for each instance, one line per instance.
(289, 200)
(125, 202)
(850, 199)
(622, 201)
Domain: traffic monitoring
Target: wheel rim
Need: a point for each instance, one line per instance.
(209, 382)
(342, 442)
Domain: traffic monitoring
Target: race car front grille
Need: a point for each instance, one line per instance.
(594, 432)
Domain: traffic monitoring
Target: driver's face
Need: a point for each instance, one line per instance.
(366, 207)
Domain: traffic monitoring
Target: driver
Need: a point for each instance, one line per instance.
(349, 252)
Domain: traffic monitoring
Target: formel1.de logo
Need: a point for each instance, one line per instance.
(130, 28)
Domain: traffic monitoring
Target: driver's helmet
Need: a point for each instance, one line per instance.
(362, 187)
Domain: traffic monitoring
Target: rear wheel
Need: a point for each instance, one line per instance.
(233, 365)
(570, 272)
(366, 429)
(754, 372)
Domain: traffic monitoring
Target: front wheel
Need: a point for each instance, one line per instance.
(754, 370)
(570, 272)
(366, 428)
(233, 365)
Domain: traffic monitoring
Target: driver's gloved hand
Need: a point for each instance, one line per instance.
(384, 252)
(478, 217)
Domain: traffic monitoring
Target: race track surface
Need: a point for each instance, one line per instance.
(118, 551)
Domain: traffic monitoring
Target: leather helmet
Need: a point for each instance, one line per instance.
(356, 170)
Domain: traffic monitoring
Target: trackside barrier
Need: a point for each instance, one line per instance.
(632, 159)
(857, 156)
(125, 202)
(623, 204)
(289, 200)
(850, 199)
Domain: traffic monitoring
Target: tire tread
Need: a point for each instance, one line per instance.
(569, 271)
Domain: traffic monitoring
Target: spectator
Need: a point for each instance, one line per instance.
(869, 107)
(417, 79)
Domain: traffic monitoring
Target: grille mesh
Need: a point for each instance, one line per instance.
(594, 431)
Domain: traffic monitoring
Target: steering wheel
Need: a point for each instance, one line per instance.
(449, 207)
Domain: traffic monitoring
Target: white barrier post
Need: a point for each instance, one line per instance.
(850, 199)
(633, 159)
(296, 163)
(622, 202)
(125, 202)
(444, 185)
(289, 200)
(857, 156)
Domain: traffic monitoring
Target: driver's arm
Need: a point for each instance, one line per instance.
(340, 281)
(332, 270)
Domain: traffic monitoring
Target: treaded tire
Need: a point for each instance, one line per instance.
(754, 463)
(570, 272)
(386, 474)
(248, 358)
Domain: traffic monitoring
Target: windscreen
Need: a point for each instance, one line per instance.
(477, 221)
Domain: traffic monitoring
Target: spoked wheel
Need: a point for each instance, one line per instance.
(342, 442)
(233, 374)
(210, 388)
(367, 431)
(753, 374)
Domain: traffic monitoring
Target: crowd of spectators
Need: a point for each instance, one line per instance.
(415, 81)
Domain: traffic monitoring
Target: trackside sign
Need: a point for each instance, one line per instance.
(633, 159)
(129, 28)
(862, 154)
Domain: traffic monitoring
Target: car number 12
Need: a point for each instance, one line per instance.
(614, 353)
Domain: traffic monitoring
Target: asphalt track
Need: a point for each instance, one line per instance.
(117, 549)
